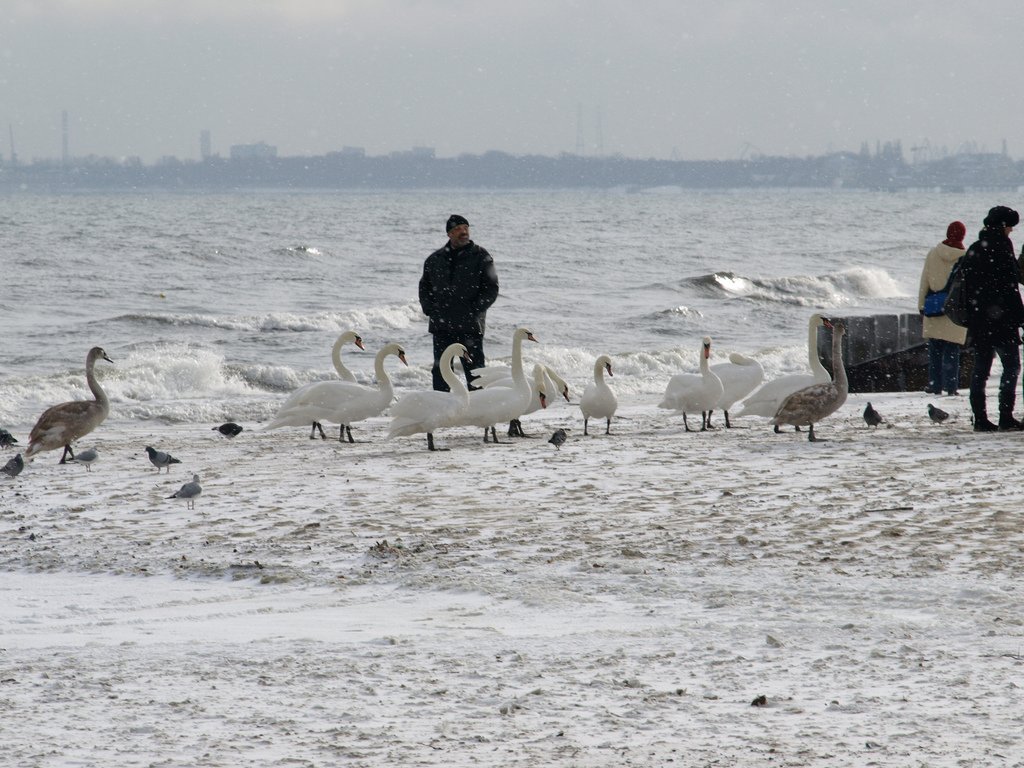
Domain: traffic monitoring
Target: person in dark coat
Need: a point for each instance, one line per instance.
(996, 314)
(458, 285)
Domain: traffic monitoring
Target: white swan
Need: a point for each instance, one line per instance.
(598, 401)
(344, 402)
(695, 392)
(545, 383)
(740, 376)
(429, 410)
(810, 405)
(60, 425)
(489, 405)
(766, 400)
(301, 397)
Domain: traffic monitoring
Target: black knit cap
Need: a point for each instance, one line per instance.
(1001, 216)
(454, 221)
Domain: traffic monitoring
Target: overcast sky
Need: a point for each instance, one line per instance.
(693, 79)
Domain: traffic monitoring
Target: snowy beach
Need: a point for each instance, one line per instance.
(622, 601)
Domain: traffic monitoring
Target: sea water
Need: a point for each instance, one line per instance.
(215, 306)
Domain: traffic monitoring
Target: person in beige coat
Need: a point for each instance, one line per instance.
(944, 337)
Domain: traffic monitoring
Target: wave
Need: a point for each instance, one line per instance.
(391, 317)
(845, 287)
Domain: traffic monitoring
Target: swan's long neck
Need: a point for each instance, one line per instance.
(94, 385)
(383, 380)
(455, 384)
(518, 377)
(838, 369)
(812, 347)
(599, 371)
(339, 366)
(705, 367)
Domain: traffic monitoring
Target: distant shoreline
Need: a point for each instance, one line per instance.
(884, 170)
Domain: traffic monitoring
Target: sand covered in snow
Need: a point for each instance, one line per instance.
(622, 601)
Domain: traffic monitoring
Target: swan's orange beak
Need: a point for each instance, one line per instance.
(401, 356)
(359, 343)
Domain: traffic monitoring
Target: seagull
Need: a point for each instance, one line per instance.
(558, 438)
(86, 458)
(14, 466)
(189, 492)
(159, 459)
(6, 439)
(872, 417)
(228, 429)
(937, 414)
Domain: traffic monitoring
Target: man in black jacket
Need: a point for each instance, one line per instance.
(459, 284)
(996, 314)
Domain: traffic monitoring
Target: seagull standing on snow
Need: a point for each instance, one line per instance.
(160, 459)
(86, 458)
(189, 492)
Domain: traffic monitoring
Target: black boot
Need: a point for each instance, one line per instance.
(1009, 424)
(982, 424)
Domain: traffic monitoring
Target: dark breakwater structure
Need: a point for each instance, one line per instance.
(886, 353)
(884, 169)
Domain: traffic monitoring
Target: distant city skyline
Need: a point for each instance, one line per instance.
(705, 79)
(206, 148)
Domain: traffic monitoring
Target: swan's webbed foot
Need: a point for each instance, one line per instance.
(494, 434)
(312, 432)
(348, 432)
(68, 453)
(430, 443)
(777, 429)
(811, 436)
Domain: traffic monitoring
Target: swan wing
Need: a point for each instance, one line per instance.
(766, 400)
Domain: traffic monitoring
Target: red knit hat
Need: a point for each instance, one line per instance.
(955, 235)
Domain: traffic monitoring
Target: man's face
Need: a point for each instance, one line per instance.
(459, 236)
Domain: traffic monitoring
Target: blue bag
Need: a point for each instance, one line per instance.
(934, 303)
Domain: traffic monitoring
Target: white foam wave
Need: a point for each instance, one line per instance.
(386, 316)
(842, 288)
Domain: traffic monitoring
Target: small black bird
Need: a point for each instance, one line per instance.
(558, 438)
(14, 466)
(228, 429)
(937, 414)
(872, 417)
(6, 439)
